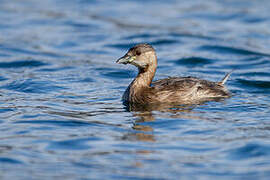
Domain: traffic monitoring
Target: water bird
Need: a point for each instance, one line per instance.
(183, 90)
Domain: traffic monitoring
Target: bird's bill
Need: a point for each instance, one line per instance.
(126, 59)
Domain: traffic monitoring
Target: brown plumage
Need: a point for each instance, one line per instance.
(184, 90)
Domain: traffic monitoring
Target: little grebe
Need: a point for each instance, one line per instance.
(184, 90)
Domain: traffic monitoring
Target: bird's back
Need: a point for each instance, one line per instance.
(185, 90)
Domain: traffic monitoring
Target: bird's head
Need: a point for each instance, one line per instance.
(141, 56)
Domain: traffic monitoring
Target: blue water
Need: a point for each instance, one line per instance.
(60, 90)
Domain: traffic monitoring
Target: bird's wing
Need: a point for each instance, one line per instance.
(173, 83)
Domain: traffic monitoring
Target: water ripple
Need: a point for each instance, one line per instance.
(13, 50)
(230, 50)
(62, 123)
(255, 83)
(9, 160)
(250, 150)
(193, 61)
(158, 42)
(31, 86)
(22, 63)
(119, 74)
(74, 144)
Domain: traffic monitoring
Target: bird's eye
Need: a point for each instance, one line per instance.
(138, 53)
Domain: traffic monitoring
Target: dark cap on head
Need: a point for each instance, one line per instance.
(141, 48)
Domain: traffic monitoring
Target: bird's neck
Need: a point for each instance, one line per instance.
(143, 81)
(144, 78)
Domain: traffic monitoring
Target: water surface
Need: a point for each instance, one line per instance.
(60, 101)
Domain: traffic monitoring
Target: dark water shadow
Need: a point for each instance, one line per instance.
(62, 123)
(254, 83)
(193, 61)
(248, 151)
(72, 144)
(230, 50)
(6, 160)
(259, 74)
(22, 63)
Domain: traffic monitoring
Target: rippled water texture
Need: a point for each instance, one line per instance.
(60, 90)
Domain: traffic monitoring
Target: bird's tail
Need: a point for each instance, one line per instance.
(223, 81)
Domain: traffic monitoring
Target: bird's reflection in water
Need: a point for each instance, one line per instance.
(146, 113)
